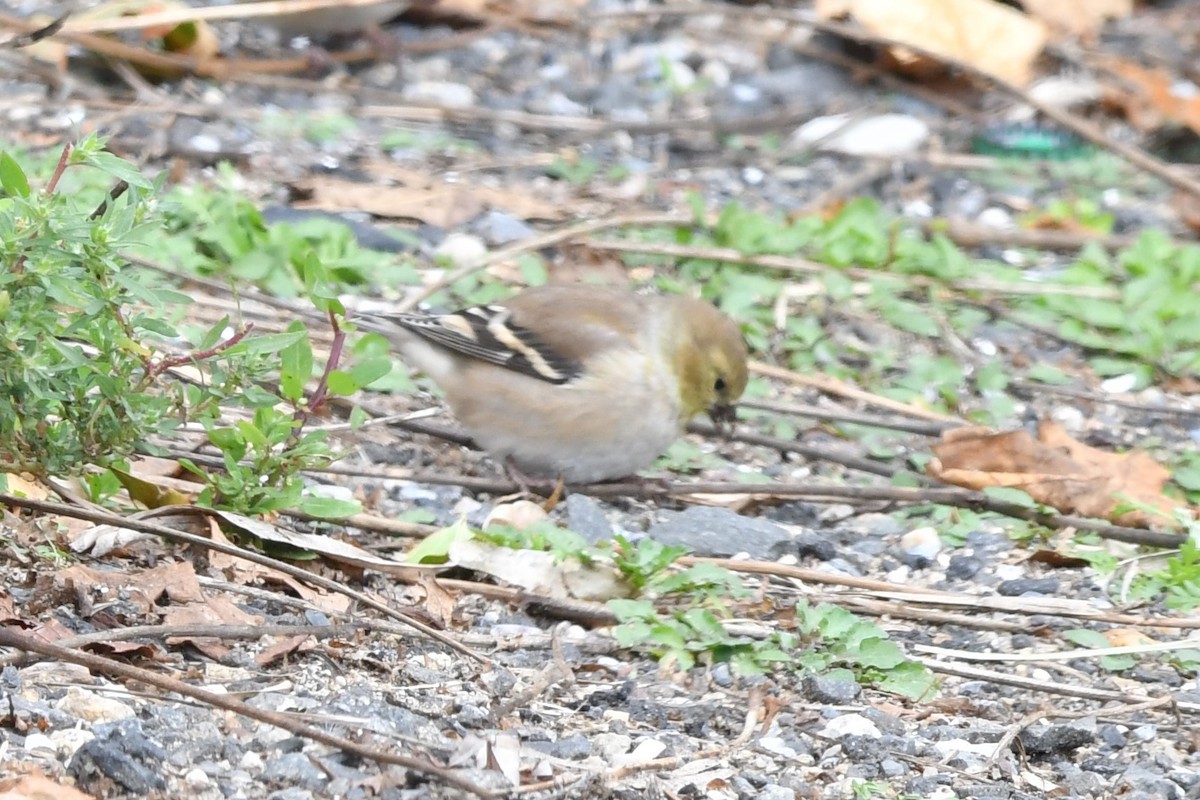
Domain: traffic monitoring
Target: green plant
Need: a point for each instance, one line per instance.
(1177, 583)
(90, 344)
(77, 358)
(696, 625)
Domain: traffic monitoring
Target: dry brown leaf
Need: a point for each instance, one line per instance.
(439, 603)
(1078, 17)
(144, 588)
(424, 198)
(126, 650)
(1126, 637)
(991, 37)
(1154, 97)
(1055, 470)
(284, 647)
(215, 611)
(552, 202)
(38, 787)
(247, 573)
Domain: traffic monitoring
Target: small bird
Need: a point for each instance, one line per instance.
(582, 383)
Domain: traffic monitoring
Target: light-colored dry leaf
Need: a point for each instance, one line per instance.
(1056, 470)
(1126, 637)
(424, 198)
(551, 202)
(439, 602)
(991, 37)
(504, 756)
(25, 486)
(1082, 18)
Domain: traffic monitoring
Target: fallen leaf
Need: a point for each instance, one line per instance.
(37, 787)
(1056, 470)
(1082, 18)
(284, 647)
(439, 603)
(125, 650)
(1152, 96)
(144, 588)
(1126, 637)
(991, 37)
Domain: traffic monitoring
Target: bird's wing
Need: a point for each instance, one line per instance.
(489, 334)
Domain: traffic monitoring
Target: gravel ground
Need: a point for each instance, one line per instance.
(662, 108)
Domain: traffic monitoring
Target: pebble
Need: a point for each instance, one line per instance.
(777, 746)
(445, 94)
(882, 135)
(850, 725)
(611, 746)
(461, 249)
(922, 543)
(92, 707)
(831, 691)
(586, 518)
(498, 228)
(719, 532)
(962, 567)
(196, 779)
(1024, 586)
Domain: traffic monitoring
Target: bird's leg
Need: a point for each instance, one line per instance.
(531, 484)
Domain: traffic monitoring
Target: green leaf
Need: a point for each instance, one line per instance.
(909, 679)
(878, 653)
(12, 177)
(296, 365)
(435, 548)
(329, 507)
(119, 168)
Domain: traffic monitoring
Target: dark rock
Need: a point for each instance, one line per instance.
(1058, 738)
(120, 753)
(807, 546)
(1020, 586)
(822, 689)
(963, 567)
(1111, 736)
(1165, 678)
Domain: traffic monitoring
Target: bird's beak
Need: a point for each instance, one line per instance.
(723, 416)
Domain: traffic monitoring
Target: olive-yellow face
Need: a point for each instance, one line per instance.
(713, 370)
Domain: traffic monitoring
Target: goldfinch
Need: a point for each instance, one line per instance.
(582, 383)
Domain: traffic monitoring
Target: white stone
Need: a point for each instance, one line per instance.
(881, 135)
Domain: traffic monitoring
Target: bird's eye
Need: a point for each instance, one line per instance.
(719, 385)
